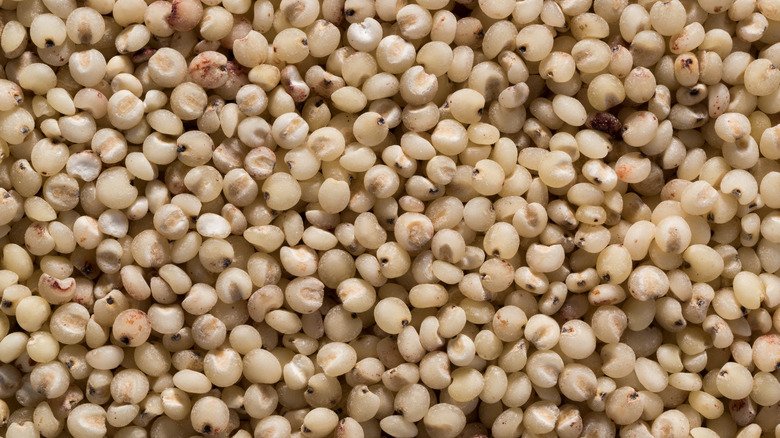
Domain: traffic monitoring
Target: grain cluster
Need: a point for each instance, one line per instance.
(406, 218)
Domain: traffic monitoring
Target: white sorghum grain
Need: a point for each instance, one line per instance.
(356, 218)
